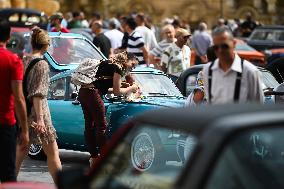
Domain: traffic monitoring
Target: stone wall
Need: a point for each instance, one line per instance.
(193, 11)
(47, 6)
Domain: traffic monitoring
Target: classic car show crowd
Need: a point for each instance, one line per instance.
(100, 72)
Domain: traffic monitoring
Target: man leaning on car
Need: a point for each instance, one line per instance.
(11, 97)
(230, 79)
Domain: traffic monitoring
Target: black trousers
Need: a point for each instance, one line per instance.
(8, 137)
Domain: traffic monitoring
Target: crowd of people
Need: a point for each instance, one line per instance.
(126, 42)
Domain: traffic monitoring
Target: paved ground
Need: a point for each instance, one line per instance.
(36, 171)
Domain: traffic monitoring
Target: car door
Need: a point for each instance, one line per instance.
(67, 116)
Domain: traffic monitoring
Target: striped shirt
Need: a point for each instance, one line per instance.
(134, 45)
(160, 48)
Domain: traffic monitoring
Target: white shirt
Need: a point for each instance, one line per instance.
(115, 36)
(176, 59)
(223, 83)
(148, 36)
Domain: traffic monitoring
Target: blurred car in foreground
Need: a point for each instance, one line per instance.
(26, 185)
(267, 37)
(233, 146)
(65, 52)
(244, 51)
(186, 81)
(23, 19)
(157, 91)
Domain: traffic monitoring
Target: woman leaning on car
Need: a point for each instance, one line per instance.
(108, 77)
(41, 129)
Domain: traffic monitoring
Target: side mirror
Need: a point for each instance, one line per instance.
(72, 179)
(279, 92)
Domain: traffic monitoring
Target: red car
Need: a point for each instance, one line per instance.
(244, 51)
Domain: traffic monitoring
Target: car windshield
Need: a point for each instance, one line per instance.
(262, 35)
(252, 159)
(243, 47)
(156, 85)
(71, 50)
(268, 80)
(148, 157)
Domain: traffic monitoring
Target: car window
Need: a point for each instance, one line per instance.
(148, 157)
(155, 84)
(71, 50)
(262, 35)
(280, 36)
(252, 159)
(243, 47)
(191, 83)
(14, 17)
(57, 89)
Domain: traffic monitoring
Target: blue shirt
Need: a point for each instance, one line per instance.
(201, 41)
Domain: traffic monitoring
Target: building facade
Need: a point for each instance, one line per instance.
(192, 11)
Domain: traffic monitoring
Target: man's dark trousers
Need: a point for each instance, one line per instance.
(8, 137)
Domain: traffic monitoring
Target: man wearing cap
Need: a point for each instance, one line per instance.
(176, 58)
(55, 21)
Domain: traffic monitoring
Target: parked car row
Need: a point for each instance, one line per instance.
(208, 147)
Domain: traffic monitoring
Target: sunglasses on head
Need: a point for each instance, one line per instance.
(186, 37)
(223, 46)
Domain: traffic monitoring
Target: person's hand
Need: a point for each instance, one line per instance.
(24, 141)
(134, 88)
(39, 126)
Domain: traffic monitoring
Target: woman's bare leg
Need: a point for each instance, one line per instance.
(20, 156)
(53, 160)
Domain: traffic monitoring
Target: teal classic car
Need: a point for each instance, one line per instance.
(64, 54)
(157, 91)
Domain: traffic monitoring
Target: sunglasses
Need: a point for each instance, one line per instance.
(223, 46)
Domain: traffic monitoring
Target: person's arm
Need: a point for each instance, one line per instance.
(117, 90)
(165, 60)
(17, 73)
(256, 91)
(37, 104)
(145, 54)
(21, 113)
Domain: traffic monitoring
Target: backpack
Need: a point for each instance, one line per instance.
(86, 72)
(29, 103)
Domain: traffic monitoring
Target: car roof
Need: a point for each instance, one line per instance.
(196, 119)
(271, 27)
(53, 34)
(9, 11)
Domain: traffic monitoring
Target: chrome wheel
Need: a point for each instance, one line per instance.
(142, 152)
(35, 149)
